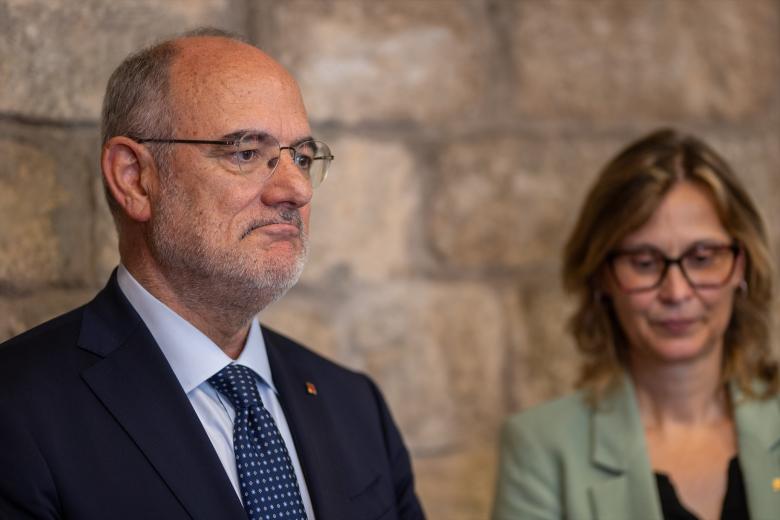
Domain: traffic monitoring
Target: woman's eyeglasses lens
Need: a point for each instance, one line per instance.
(704, 266)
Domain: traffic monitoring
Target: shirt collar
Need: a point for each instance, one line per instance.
(192, 355)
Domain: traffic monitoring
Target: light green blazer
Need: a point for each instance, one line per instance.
(562, 459)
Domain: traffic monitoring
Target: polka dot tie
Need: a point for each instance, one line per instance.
(265, 473)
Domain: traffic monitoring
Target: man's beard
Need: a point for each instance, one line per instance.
(180, 244)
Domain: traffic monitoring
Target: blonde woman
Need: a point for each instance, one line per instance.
(678, 415)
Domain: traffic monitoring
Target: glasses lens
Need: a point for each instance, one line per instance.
(313, 159)
(703, 265)
(708, 265)
(637, 270)
(256, 154)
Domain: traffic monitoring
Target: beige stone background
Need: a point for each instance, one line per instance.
(466, 134)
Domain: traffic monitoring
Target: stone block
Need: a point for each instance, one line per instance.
(18, 314)
(46, 206)
(508, 202)
(311, 318)
(458, 485)
(754, 156)
(58, 55)
(437, 351)
(544, 360)
(375, 61)
(618, 61)
(363, 214)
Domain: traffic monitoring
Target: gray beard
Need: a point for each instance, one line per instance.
(220, 279)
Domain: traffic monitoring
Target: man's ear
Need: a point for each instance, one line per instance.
(129, 171)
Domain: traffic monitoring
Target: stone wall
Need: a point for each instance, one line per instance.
(466, 134)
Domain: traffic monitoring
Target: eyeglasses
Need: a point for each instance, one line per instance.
(704, 266)
(257, 155)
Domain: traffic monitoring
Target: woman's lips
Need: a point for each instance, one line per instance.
(675, 326)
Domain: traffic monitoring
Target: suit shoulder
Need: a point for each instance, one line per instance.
(553, 421)
(750, 412)
(39, 355)
(540, 448)
(64, 327)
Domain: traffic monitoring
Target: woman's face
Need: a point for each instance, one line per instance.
(675, 322)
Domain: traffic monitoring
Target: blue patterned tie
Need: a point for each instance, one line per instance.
(265, 473)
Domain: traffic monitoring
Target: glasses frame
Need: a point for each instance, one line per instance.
(734, 247)
(236, 141)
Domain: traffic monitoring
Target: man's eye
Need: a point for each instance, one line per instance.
(245, 156)
(303, 161)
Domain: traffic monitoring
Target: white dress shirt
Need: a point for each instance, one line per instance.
(194, 358)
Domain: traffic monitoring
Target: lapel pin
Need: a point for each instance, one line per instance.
(312, 390)
(776, 484)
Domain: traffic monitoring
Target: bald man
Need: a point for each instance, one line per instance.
(163, 397)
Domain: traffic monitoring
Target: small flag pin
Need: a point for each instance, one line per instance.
(310, 388)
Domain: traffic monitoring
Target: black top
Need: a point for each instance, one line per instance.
(734, 502)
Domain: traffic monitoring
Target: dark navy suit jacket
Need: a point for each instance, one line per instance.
(94, 425)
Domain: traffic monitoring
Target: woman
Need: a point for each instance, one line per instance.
(678, 415)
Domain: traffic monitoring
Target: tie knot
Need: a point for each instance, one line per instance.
(237, 383)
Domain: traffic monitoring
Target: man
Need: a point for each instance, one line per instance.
(163, 397)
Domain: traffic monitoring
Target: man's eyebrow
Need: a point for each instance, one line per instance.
(301, 140)
(232, 136)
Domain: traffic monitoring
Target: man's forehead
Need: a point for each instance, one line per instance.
(233, 85)
(204, 47)
(208, 60)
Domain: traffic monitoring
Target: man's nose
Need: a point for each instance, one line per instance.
(288, 185)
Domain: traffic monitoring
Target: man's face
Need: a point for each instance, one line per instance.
(211, 226)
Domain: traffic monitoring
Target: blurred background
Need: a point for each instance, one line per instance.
(466, 133)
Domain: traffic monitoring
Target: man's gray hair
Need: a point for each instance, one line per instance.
(137, 101)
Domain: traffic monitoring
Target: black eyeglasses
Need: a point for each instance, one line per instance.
(704, 266)
(257, 155)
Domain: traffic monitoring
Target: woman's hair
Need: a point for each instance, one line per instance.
(623, 198)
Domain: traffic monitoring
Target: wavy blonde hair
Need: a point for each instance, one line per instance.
(623, 198)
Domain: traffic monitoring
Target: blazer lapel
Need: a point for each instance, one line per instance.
(313, 431)
(628, 489)
(758, 436)
(136, 384)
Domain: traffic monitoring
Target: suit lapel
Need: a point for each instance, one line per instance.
(628, 489)
(631, 491)
(136, 384)
(313, 433)
(758, 436)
